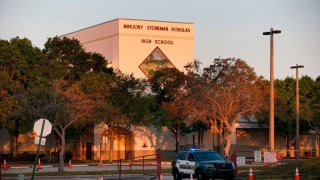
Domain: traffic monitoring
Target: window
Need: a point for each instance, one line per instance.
(191, 157)
(183, 156)
(208, 156)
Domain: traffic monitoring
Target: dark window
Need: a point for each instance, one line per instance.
(191, 157)
(183, 156)
(208, 156)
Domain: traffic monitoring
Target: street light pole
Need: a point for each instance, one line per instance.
(271, 117)
(297, 111)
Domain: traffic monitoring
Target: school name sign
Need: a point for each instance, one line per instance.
(156, 28)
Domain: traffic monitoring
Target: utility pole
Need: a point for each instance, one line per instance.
(297, 111)
(271, 117)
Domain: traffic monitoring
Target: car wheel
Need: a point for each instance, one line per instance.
(176, 175)
(200, 175)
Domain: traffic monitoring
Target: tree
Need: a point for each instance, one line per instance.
(285, 109)
(63, 104)
(230, 89)
(21, 68)
(200, 127)
(67, 59)
(97, 86)
(130, 103)
(170, 87)
(121, 100)
(310, 104)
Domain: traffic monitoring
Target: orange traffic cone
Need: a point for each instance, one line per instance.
(297, 177)
(250, 174)
(100, 164)
(39, 164)
(191, 176)
(4, 164)
(70, 165)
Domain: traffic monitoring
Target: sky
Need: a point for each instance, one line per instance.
(223, 28)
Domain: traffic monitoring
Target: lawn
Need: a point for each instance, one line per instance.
(308, 169)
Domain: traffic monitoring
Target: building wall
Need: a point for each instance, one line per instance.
(26, 143)
(102, 38)
(146, 140)
(127, 42)
(132, 51)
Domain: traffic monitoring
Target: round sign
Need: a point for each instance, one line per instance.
(46, 129)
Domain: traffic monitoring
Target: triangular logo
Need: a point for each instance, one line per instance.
(156, 60)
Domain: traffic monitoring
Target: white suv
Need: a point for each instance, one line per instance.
(203, 164)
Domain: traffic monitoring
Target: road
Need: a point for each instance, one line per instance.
(97, 177)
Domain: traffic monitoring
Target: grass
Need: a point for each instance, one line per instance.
(308, 169)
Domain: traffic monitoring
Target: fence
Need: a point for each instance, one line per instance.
(242, 157)
(141, 162)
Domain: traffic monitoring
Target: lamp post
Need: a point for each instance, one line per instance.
(297, 111)
(271, 120)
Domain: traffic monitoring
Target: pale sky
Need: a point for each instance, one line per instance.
(223, 28)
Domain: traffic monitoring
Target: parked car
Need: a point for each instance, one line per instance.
(203, 164)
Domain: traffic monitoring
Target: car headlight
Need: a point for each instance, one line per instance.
(209, 166)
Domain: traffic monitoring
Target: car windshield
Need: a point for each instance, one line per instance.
(208, 156)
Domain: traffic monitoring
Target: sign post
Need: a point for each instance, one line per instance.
(257, 156)
(43, 131)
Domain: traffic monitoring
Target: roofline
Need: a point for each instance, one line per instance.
(124, 19)
(154, 20)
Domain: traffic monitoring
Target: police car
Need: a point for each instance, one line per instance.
(203, 164)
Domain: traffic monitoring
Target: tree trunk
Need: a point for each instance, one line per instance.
(221, 141)
(228, 143)
(111, 146)
(288, 144)
(158, 139)
(201, 136)
(16, 152)
(319, 142)
(177, 141)
(199, 132)
(81, 146)
(12, 145)
(62, 151)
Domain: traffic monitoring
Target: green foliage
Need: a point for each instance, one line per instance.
(128, 95)
(170, 108)
(21, 68)
(167, 83)
(70, 61)
(285, 106)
